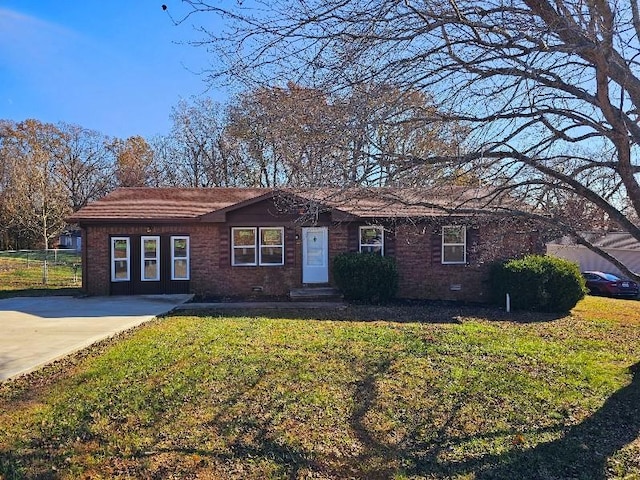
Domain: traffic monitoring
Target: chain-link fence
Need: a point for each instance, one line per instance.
(32, 269)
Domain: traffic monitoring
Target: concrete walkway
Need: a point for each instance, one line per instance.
(35, 331)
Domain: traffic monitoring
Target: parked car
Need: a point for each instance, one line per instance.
(603, 283)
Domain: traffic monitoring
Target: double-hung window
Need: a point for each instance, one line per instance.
(120, 259)
(180, 258)
(150, 256)
(271, 246)
(251, 246)
(372, 240)
(243, 246)
(454, 244)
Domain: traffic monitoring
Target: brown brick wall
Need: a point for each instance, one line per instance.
(415, 247)
(97, 278)
(422, 274)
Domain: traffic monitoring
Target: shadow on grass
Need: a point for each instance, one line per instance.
(41, 292)
(581, 453)
(420, 312)
(584, 449)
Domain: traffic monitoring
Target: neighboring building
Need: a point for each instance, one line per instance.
(249, 241)
(71, 239)
(620, 245)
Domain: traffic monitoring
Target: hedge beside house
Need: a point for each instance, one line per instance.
(538, 282)
(366, 277)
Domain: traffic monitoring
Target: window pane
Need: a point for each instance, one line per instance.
(244, 256)
(271, 255)
(271, 236)
(121, 272)
(453, 253)
(453, 235)
(244, 236)
(179, 269)
(180, 247)
(371, 249)
(150, 248)
(120, 248)
(150, 269)
(371, 236)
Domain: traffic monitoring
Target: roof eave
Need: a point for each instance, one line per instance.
(132, 221)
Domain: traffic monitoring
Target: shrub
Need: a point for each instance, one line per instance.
(538, 282)
(366, 277)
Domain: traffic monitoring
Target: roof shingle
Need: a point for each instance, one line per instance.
(141, 204)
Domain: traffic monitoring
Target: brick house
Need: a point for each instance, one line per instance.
(256, 241)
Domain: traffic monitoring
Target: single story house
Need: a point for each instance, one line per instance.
(257, 241)
(621, 245)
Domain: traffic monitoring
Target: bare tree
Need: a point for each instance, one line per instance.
(300, 136)
(86, 165)
(35, 202)
(192, 153)
(550, 91)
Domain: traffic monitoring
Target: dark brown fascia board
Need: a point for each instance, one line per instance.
(338, 215)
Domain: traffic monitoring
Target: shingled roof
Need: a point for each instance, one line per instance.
(191, 204)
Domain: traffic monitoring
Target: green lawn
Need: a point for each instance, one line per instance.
(449, 392)
(23, 273)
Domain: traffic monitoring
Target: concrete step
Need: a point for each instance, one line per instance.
(315, 294)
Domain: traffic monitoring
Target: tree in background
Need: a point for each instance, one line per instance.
(299, 136)
(194, 153)
(387, 129)
(134, 163)
(35, 203)
(287, 136)
(544, 88)
(86, 166)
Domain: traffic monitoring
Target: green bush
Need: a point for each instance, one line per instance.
(538, 282)
(366, 277)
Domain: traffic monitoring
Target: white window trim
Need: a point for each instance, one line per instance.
(143, 258)
(174, 258)
(376, 227)
(463, 245)
(113, 259)
(281, 245)
(234, 247)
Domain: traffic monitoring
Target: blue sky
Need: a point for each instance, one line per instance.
(115, 66)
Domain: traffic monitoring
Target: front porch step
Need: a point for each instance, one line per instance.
(315, 294)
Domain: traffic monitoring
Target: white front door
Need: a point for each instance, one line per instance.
(315, 255)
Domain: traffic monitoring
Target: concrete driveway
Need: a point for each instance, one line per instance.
(35, 331)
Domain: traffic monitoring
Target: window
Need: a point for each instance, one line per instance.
(179, 258)
(454, 244)
(271, 246)
(243, 241)
(251, 246)
(372, 240)
(120, 257)
(150, 259)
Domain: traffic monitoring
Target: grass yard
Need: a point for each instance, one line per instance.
(442, 393)
(22, 273)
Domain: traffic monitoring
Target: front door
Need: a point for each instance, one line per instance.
(315, 255)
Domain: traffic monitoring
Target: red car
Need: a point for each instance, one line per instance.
(603, 283)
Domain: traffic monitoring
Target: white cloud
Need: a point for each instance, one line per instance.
(25, 40)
